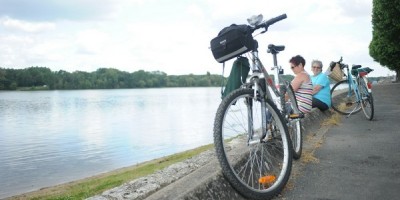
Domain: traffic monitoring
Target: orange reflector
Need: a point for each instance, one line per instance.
(266, 179)
(369, 84)
(362, 74)
(270, 81)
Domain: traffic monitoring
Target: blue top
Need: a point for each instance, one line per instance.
(324, 93)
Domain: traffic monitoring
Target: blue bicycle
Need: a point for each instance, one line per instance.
(353, 94)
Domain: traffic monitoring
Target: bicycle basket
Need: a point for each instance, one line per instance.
(231, 42)
(336, 73)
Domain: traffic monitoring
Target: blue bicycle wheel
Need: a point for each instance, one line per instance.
(344, 99)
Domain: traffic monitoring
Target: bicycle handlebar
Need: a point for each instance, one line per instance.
(275, 19)
(342, 65)
(269, 22)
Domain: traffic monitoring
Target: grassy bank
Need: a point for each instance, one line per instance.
(88, 187)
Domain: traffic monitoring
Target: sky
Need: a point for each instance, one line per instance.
(174, 36)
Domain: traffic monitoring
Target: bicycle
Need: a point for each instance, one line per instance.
(354, 93)
(255, 156)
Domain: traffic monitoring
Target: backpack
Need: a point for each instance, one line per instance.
(239, 72)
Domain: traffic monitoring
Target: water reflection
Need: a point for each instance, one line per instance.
(51, 137)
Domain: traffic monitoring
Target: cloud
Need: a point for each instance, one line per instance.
(50, 10)
(174, 36)
(355, 8)
(26, 26)
(91, 41)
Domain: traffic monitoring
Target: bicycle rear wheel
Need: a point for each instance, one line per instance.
(344, 99)
(258, 166)
(294, 127)
(367, 101)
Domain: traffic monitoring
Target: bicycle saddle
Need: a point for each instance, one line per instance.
(356, 66)
(275, 49)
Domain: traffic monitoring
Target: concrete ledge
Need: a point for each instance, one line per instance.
(205, 183)
(208, 182)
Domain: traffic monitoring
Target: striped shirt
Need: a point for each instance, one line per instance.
(304, 97)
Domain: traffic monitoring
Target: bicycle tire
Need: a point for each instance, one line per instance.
(244, 164)
(344, 99)
(295, 128)
(367, 101)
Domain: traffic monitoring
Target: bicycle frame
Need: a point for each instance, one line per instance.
(281, 84)
(258, 69)
(353, 84)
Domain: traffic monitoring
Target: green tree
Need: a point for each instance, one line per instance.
(102, 78)
(384, 47)
(3, 80)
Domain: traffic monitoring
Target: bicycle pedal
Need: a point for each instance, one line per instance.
(296, 116)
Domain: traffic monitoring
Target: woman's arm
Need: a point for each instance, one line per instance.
(297, 81)
(316, 89)
(321, 82)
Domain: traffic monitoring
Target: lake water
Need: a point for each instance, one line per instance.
(53, 137)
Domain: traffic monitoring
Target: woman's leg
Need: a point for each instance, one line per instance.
(316, 103)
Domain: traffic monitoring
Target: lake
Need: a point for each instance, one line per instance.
(53, 137)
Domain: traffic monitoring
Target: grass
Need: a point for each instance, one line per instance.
(92, 186)
(333, 120)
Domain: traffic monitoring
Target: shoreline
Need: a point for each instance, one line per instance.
(136, 171)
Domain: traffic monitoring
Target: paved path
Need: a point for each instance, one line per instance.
(359, 159)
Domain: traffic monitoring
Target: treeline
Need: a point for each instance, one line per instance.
(103, 78)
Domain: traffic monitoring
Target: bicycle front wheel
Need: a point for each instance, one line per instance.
(367, 101)
(255, 158)
(344, 99)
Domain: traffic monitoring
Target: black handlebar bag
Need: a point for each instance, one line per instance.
(232, 41)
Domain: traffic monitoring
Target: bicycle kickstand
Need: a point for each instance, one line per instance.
(347, 116)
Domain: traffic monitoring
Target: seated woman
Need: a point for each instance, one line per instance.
(301, 84)
(321, 91)
(302, 87)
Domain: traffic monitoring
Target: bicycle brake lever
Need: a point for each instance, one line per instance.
(265, 30)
